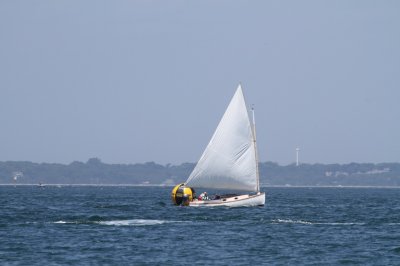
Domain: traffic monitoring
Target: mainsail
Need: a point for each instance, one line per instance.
(229, 161)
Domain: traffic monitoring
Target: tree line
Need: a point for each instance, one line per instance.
(271, 174)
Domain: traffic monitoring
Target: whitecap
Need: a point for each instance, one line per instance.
(314, 223)
(134, 222)
(64, 222)
(291, 221)
(341, 223)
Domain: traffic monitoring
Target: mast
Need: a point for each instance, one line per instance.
(255, 149)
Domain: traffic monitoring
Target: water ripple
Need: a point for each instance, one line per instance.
(110, 225)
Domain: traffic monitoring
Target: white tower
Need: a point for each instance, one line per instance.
(297, 156)
(17, 175)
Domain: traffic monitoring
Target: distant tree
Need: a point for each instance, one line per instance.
(94, 161)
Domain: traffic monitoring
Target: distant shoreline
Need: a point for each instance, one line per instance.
(96, 173)
(170, 186)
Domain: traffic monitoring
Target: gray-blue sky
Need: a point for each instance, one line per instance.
(137, 81)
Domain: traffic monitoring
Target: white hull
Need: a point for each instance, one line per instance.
(246, 200)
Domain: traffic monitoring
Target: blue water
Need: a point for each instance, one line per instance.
(138, 225)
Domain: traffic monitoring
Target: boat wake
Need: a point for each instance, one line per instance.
(63, 222)
(135, 222)
(289, 221)
(132, 222)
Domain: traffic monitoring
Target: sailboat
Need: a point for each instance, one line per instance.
(229, 163)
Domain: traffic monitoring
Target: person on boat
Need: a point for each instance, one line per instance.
(216, 197)
(203, 196)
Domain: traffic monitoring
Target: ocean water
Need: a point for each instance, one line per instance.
(82, 225)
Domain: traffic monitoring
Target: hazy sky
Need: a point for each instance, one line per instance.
(139, 81)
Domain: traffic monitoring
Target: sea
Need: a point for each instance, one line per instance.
(128, 225)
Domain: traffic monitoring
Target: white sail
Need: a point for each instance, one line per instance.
(229, 161)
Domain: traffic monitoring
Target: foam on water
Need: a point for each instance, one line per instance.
(134, 222)
(289, 221)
